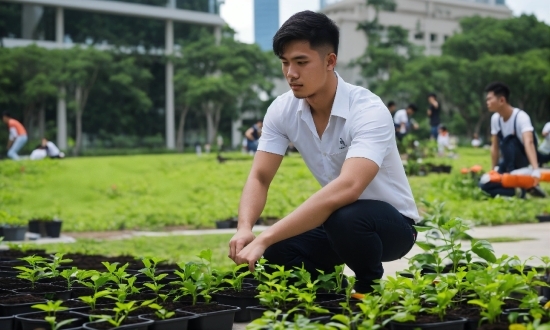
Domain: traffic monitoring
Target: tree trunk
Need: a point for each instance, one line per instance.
(42, 121)
(180, 139)
(208, 112)
(217, 117)
(78, 123)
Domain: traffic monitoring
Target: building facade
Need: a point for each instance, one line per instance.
(34, 11)
(266, 22)
(429, 22)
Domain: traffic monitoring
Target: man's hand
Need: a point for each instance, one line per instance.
(251, 253)
(242, 238)
(536, 175)
(429, 112)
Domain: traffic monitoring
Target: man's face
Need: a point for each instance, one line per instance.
(431, 99)
(5, 119)
(494, 102)
(410, 112)
(392, 108)
(260, 124)
(305, 69)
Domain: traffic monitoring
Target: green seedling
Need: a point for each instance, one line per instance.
(236, 281)
(58, 325)
(36, 270)
(51, 308)
(52, 268)
(161, 313)
(93, 279)
(70, 276)
(150, 272)
(92, 300)
(117, 274)
(442, 298)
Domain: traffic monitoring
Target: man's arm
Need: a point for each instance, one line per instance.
(494, 151)
(530, 149)
(355, 176)
(253, 198)
(248, 133)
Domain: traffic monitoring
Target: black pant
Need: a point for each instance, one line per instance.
(495, 189)
(361, 235)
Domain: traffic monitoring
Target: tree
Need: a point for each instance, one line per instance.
(215, 78)
(82, 69)
(32, 75)
(388, 47)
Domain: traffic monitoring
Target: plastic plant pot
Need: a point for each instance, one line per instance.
(180, 321)
(456, 323)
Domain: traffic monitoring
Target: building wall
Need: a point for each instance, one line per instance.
(429, 23)
(266, 22)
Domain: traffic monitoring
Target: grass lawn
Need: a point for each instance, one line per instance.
(153, 191)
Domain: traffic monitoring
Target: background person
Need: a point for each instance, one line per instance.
(476, 141)
(402, 121)
(18, 135)
(443, 140)
(392, 107)
(253, 135)
(512, 137)
(544, 148)
(434, 113)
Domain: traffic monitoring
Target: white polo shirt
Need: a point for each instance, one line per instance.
(360, 126)
(522, 124)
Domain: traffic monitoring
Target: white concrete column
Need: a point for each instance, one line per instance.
(62, 120)
(236, 135)
(61, 103)
(170, 113)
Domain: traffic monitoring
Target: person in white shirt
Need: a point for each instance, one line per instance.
(544, 148)
(513, 138)
(476, 141)
(364, 212)
(403, 122)
(443, 140)
(46, 149)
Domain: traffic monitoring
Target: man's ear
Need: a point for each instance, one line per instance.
(331, 60)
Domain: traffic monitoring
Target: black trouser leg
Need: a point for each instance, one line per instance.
(495, 188)
(361, 235)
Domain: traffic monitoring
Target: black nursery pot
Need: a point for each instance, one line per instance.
(131, 323)
(19, 304)
(543, 217)
(6, 322)
(178, 322)
(13, 233)
(53, 228)
(35, 320)
(456, 323)
(239, 301)
(217, 320)
(223, 224)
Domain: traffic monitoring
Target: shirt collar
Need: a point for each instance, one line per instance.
(340, 107)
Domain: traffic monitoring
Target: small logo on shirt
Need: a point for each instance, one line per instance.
(342, 144)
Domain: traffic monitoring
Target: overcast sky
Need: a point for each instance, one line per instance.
(239, 13)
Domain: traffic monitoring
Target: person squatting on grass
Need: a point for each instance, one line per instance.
(513, 139)
(365, 211)
(18, 135)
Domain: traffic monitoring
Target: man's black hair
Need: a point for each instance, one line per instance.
(259, 120)
(499, 89)
(443, 128)
(6, 113)
(391, 104)
(413, 107)
(316, 28)
(432, 95)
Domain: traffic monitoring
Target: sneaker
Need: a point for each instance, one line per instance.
(537, 191)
